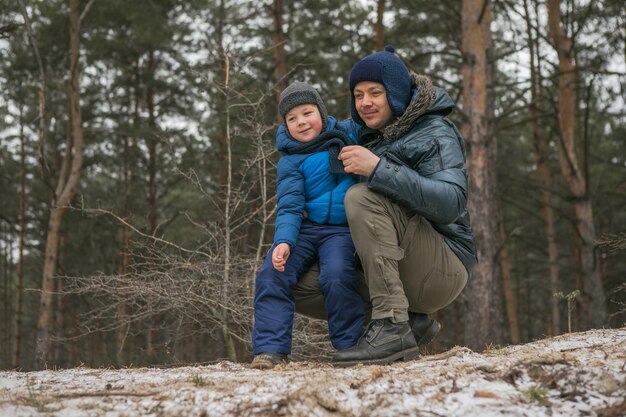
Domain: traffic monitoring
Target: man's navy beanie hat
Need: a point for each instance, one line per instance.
(298, 93)
(387, 68)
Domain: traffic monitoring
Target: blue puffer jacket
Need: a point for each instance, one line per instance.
(305, 184)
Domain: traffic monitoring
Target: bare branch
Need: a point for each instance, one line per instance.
(85, 11)
(42, 96)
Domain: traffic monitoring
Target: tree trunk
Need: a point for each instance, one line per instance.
(7, 257)
(458, 327)
(221, 138)
(225, 319)
(594, 301)
(280, 76)
(478, 131)
(379, 28)
(577, 314)
(509, 298)
(280, 58)
(47, 288)
(66, 187)
(123, 309)
(544, 176)
(225, 179)
(42, 94)
(19, 286)
(152, 143)
(123, 355)
(59, 314)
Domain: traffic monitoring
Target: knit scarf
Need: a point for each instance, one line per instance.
(331, 141)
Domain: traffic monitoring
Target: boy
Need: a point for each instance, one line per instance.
(311, 226)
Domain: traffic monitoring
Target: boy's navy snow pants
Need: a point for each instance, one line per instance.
(274, 305)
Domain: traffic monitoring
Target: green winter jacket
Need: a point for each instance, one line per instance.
(422, 167)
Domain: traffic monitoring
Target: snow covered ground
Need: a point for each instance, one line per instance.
(579, 374)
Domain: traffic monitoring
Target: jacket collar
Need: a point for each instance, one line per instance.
(423, 97)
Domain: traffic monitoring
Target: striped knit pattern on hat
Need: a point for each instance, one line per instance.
(298, 93)
(387, 68)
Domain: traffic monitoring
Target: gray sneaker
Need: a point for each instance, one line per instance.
(268, 360)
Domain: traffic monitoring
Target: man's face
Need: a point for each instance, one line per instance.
(370, 101)
(304, 122)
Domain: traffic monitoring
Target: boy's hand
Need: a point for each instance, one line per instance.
(279, 256)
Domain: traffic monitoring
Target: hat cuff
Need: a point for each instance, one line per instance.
(296, 98)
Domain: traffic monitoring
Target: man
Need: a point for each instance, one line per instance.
(408, 219)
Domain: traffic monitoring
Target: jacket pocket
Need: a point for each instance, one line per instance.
(432, 160)
(385, 268)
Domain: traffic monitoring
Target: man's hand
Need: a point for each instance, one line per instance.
(358, 160)
(279, 256)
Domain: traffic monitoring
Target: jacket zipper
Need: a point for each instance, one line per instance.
(330, 204)
(330, 198)
(439, 153)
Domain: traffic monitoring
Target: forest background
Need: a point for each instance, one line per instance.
(137, 165)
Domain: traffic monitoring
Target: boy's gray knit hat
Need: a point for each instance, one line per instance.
(301, 93)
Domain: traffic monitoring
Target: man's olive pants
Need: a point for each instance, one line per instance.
(407, 266)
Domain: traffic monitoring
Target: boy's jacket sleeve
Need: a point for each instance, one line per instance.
(351, 128)
(290, 205)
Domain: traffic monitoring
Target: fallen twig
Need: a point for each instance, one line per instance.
(105, 394)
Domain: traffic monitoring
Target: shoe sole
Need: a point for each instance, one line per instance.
(266, 363)
(430, 333)
(404, 356)
(263, 365)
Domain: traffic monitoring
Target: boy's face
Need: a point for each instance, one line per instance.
(370, 101)
(304, 122)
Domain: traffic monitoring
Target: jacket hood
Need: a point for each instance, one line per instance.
(442, 102)
(285, 142)
(426, 99)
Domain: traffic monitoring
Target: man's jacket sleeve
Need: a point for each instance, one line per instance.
(438, 193)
